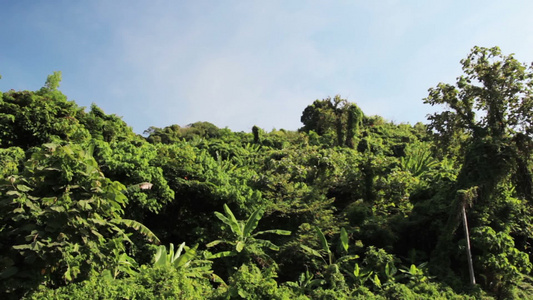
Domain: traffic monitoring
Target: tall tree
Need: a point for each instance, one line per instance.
(28, 119)
(354, 121)
(492, 106)
(333, 116)
(318, 117)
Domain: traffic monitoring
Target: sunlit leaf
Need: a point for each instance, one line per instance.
(252, 222)
(344, 239)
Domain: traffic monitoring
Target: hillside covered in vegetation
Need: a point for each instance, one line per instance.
(350, 206)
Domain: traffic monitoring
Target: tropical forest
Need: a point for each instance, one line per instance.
(349, 206)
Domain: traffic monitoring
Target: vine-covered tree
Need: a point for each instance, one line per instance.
(334, 117)
(491, 105)
(29, 119)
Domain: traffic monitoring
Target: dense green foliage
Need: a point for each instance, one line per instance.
(348, 207)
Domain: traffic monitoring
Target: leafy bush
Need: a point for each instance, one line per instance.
(150, 283)
(499, 263)
(61, 221)
(249, 282)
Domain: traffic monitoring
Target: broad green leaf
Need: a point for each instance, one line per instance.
(185, 258)
(274, 231)
(239, 246)
(235, 227)
(323, 241)
(23, 188)
(32, 206)
(356, 270)
(98, 235)
(160, 256)
(170, 253)
(98, 221)
(347, 258)
(214, 243)
(344, 239)
(311, 251)
(223, 218)
(241, 228)
(268, 244)
(233, 221)
(413, 269)
(85, 204)
(68, 275)
(22, 247)
(222, 254)
(48, 200)
(37, 246)
(178, 253)
(390, 269)
(252, 222)
(139, 227)
(13, 193)
(57, 208)
(376, 281)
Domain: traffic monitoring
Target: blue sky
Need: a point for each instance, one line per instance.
(242, 63)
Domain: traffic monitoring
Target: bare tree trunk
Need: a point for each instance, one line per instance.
(468, 252)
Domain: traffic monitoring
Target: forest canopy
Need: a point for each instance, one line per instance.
(350, 206)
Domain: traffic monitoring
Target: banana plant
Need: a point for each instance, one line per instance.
(186, 260)
(122, 263)
(331, 261)
(331, 264)
(390, 272)
(418, 160)
(416, 274)
(359, 275)
(174, 258)
(243, 233)
(306, 283)
(388, 277)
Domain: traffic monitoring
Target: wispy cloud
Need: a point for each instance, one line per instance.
(237, 66)
(245, 63)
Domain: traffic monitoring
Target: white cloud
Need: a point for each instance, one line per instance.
(195, 74)
(245, 63)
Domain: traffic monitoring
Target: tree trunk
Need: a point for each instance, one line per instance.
(468, 252)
